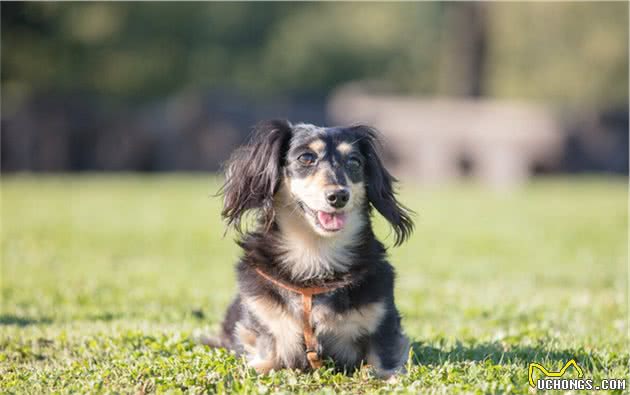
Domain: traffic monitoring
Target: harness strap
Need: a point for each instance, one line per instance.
(307, 293)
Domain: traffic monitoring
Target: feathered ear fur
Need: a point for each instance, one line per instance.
(380, 185)
(253, 174)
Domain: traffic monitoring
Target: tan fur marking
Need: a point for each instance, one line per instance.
(344, 148)
(310, 185)
(255, 356)
(320, 181)
(317, 146)
(283, 325)
(246, 337)
(357, 192)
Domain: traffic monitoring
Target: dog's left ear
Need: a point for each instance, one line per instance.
(380, 185)
(253, 173)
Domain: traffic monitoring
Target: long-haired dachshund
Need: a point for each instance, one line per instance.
(314, 282)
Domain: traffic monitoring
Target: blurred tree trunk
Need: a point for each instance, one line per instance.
(464, 49)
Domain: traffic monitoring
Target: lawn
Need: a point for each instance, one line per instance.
(106, 280)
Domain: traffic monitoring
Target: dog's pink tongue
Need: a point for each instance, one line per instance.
(331, 221)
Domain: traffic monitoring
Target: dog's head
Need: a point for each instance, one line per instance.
(328, 177)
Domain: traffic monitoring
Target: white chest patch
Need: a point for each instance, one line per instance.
(306, 255)
(308, 261)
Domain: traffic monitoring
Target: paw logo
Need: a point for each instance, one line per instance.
(547, 373)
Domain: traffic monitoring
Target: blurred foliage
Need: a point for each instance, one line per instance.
(566, 52)
(562, 51)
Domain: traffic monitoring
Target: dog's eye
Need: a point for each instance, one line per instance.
(354, 162)
(307, 158)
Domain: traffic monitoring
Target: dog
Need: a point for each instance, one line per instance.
(314, 283)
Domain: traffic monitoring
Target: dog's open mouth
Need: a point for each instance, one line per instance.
(330, 222)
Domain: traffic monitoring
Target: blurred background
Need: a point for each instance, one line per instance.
(105, 276)
(495, 92)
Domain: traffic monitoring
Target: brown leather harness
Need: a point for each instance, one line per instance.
(310, 340)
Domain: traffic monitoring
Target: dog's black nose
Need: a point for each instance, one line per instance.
(338, 198)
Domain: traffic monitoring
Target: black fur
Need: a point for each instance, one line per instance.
(254, 174)
(380, 186)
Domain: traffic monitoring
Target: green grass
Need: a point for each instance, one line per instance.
(107, 279)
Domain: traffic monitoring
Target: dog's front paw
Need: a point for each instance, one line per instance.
(262, 366)
(390, 376)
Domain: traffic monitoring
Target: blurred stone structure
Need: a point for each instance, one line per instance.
(429, 139)
(438, 139)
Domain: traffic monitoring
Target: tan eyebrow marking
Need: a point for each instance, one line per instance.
(344, 148)
(317, 145)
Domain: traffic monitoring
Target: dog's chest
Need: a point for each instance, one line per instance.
(350, 324)
(340, 333)
(307, 261)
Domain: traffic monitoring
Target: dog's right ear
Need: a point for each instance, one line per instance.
(253, 173)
